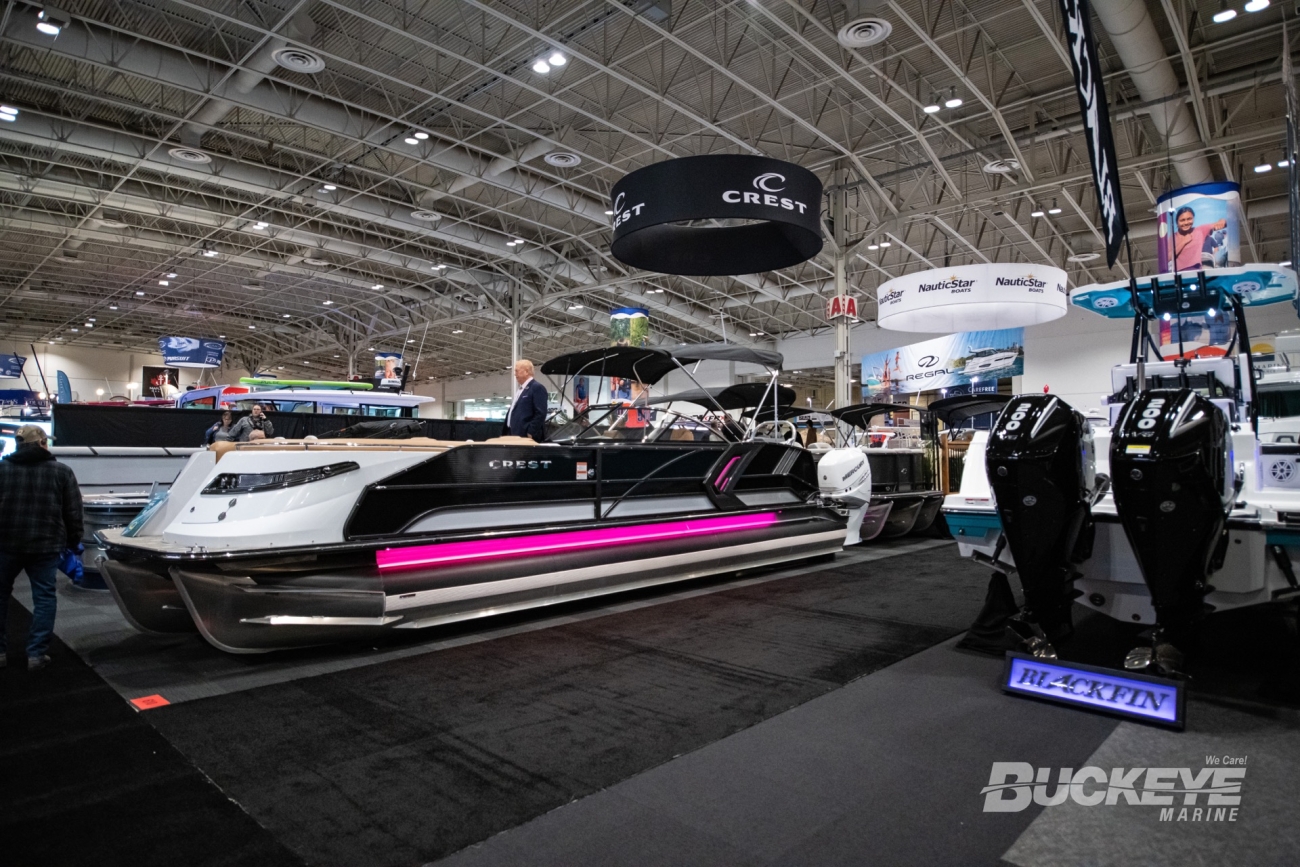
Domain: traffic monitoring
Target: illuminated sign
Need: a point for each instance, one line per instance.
(1127, 694)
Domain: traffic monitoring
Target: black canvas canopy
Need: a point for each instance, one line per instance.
(626, 362)
(740, 396)
(952, 411)
(860, 413)
(729, 352)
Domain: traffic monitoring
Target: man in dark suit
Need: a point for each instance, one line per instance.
(527, 415)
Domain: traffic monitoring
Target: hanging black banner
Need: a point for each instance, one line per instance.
(1096, 122)
(717, 215)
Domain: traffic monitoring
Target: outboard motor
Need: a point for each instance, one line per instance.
(844, 476)
(1171, 458)
(1042, 472)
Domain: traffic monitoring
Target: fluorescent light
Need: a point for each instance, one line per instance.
(932, 108)
(1257, 5)
(420, 135)
(557, 59)
(541, 67)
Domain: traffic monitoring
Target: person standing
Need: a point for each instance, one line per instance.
(527, 414)
(222, 431)
(256, 420)
(40, 516)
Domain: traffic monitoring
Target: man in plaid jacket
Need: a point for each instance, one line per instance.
(40, 516)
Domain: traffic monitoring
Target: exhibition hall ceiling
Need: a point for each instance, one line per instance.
(312, 178)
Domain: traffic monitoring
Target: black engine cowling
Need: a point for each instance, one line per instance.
(1171, 461)
(1041, 469)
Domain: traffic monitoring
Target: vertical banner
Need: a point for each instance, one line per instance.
(1200, 227)
(1090, 85)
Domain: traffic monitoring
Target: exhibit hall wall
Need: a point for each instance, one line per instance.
(89, 368)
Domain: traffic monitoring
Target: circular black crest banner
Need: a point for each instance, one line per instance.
(717, 215)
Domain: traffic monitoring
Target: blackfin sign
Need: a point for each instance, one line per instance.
(716, 215)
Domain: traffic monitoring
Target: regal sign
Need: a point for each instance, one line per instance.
(841, 306)
(719, 215)
(973, 298)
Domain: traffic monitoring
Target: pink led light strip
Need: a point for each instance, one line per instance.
(449, 553)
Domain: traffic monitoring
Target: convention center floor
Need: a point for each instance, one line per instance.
(814, 715)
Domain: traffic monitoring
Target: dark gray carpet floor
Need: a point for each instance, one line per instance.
(408, 761)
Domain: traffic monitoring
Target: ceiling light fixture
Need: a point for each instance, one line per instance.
(1037, 212)
(1225, 14)
(163, 283)
(541, 67)
(327, 303)
(411, 141)
(260, 225)
(953, 101)
(421, 136)
(171, 275)
(112, 307)
(557, 59)
(378, 286)
(575, 306)
(139, 293)
(609, 213)
(931, 107)
(1263, 166)
(1282, 164)
(873, 246)
(459, 331)
(8, 112)
(1054, 209)
(252, 328)
(285, 315)
(329, 188)
(884, 244)
(50, 21)
(1257, 5)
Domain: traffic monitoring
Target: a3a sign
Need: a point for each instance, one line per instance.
(842, 305)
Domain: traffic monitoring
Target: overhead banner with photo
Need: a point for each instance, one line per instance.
(191, 352)
(1200, 227)
(1091, 89)
(629, 326)
(11, 366)
(945, 362)
(388, 368)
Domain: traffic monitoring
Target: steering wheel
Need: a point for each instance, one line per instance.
(777, 430)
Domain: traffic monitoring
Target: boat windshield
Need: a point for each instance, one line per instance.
(625, 422)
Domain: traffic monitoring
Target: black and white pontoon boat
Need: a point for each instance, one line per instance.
(289, 543)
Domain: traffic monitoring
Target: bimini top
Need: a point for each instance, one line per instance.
(626, 362)
(860, 413)
(648, 365)
(740, 396)
(728, 352)
(952, 411)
